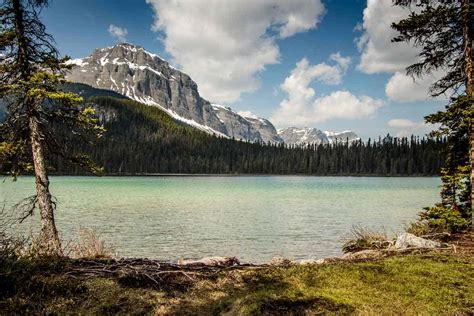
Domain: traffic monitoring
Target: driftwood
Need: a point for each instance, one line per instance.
(141, 271)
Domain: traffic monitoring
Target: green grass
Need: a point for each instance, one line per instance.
(415, 284)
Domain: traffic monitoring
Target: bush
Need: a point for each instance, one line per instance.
(363, 239)
(439, 218)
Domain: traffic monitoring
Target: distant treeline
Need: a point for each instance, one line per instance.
(142, 139)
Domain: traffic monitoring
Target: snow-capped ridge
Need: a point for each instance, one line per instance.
(311, 135)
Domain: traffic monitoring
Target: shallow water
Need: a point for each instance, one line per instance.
(252, 218)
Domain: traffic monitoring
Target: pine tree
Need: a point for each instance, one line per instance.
(41, 118)
(443, 30)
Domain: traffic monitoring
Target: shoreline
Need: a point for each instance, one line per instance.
(241, 175)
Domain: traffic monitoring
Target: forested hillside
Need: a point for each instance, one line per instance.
(142, 139)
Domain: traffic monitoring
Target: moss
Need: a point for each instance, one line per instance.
(414, 284)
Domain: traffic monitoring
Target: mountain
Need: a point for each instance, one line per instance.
(342, 136)
(308, 135)
(301, 136)
(147, 78)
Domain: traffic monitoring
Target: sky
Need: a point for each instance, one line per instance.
(328, 64)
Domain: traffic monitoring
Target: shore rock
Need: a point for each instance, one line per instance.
(280, 261)
(211, 262)
(310, 261)
(320, 261)
(407, 240)
(364, 254)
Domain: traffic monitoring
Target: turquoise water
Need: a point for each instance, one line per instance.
(252, 218)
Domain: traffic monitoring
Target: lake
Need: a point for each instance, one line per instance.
(251, 217)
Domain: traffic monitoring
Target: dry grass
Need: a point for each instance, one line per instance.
(361, 238)
(89, 244)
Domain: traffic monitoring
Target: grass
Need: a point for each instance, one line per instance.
(361, 238)
(413, 284)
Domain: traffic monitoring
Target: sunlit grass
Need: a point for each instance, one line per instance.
(414, 284)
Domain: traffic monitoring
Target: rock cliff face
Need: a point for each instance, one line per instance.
(267, 131)
(145, 77)
(247, 128)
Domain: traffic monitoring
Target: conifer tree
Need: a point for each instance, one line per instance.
(443, 30)
(41, 117)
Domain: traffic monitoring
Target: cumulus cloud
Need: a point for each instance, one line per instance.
(302, 107)
(344, 105)
(118, 32)
(402, 88)
(404, 127)
(224, 44)
(380, 55)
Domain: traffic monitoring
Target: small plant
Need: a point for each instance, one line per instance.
(440, 218)
(89, 245)
(363, 238)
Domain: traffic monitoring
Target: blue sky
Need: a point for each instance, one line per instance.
(318, 63)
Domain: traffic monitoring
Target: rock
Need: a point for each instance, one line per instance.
(309, 261)
(364, 254)
(280, 261)
(408, 240)
(211, 262)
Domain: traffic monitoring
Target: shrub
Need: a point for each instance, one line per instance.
(443, 219)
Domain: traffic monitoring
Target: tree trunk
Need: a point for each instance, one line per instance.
(49, 239)
(469, 72)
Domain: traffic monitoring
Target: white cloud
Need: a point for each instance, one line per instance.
(118, 32)
(378, 53)
(302, 107)
(344, 105)
(402, 88)
(404, 127)
(343, 62)
(223, 45)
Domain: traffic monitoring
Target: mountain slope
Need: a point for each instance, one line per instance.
(142, 139)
